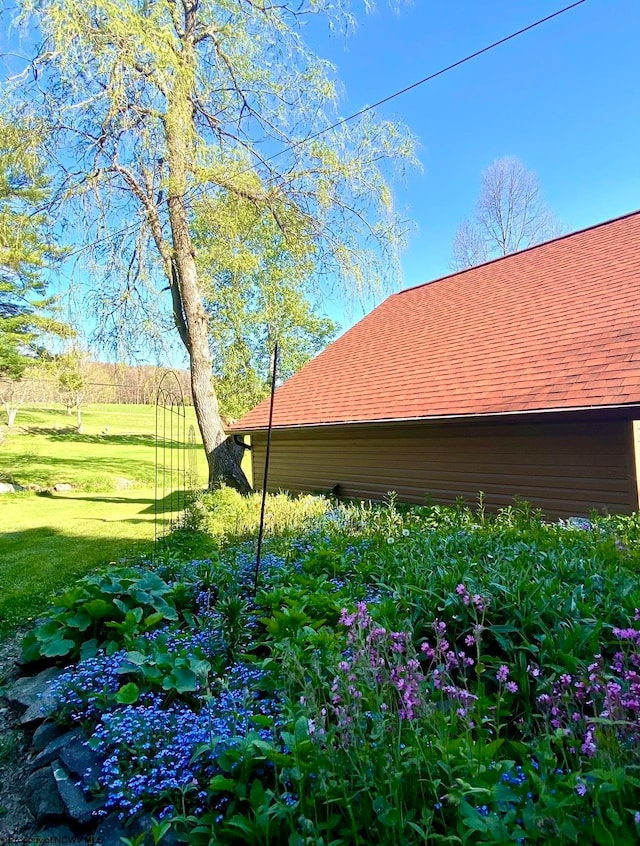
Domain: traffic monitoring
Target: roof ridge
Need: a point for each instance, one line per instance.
(562, 237)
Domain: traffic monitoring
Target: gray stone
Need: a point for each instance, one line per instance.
(63, 486)
(82, 761)
(53, 750)
(29, 690)
(6, 487)
(43, 798)
(73, 797)
(59, 835)
(34, 692)
(44, 734)
(111, 831)
(122, 484)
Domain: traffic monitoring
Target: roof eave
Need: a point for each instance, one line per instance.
(435, 417)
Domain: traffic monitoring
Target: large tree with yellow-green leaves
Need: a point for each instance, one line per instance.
(155, 105)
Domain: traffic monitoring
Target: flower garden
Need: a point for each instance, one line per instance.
(401, 676)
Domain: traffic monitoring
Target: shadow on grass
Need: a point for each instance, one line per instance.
(94, 464)
(171, 502)
(71, 435)
(38, 564)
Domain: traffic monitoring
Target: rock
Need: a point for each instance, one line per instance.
(60, 835)
(6, 487)
(82, 761)
(122, 484)
(62, 486)
(54, 749)
(32, 692)
(78, 808)
(44, 734)
(43, 797)
(111, 831)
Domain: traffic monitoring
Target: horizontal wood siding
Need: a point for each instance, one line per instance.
(566, 468)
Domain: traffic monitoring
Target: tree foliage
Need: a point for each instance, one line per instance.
(154, 104)
(26, 250)
(510, 215)
(257, 285)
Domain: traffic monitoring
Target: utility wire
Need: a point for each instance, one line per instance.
(426, 79)
(294, 145)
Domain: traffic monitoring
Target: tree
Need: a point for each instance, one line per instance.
(257, 286)
(26, 249)
(510, 215)
(71, 376)
(153, 103)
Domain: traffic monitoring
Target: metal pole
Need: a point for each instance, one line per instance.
(266, 467)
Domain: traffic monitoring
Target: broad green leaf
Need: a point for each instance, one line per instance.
(128, 694)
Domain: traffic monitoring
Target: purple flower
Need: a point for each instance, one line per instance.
(479, 602)
(512, 687)
(502, 673)
(347, 619)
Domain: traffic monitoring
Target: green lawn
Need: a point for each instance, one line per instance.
(116, 449)
(48, 541)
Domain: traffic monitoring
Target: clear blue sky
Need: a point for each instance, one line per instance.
(563, 98)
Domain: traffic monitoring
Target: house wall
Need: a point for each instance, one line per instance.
(564, 468)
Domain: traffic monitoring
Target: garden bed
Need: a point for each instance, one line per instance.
(426, 675)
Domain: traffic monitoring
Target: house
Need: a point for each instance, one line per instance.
(517, 378)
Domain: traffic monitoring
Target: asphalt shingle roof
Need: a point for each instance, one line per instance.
(555, 326)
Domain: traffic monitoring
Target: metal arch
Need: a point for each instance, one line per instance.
(171, 447)
(192, 478)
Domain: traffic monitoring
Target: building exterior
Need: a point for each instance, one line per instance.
(517, 378)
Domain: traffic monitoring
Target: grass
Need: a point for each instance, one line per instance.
(115, 450)
(47, 542)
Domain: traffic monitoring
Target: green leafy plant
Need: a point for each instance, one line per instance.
(110, 608)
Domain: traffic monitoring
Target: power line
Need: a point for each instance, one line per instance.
(426, 79)
(294, 145)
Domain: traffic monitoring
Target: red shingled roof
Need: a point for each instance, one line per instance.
(555, 326)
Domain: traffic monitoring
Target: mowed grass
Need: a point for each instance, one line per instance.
(48, 541)
(115, 450)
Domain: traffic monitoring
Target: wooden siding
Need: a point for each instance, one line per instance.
(564, 468)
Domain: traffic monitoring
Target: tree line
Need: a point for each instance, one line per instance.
(81, 382)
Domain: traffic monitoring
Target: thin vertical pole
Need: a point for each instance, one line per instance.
(266, 467)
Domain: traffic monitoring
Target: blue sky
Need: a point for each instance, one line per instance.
(563, 98)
